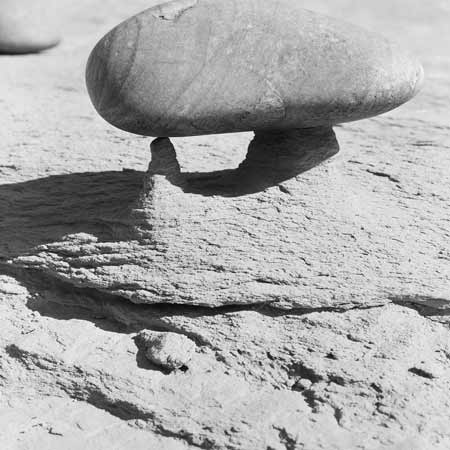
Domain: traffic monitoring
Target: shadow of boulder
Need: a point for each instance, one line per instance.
(45, 210)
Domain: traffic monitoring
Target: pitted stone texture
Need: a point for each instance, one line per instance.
(198, 67)
(370, 378)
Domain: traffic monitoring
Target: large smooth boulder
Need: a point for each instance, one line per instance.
(193, 67)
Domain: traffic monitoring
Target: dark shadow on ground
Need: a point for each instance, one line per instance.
(45, 210)
(63, 301)
(272, 158)
(424, 305)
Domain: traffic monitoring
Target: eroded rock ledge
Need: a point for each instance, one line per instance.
(275, 230)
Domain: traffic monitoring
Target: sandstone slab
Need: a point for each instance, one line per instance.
(329, 237)
(369, 378)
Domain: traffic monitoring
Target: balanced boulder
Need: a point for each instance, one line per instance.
(193, 67)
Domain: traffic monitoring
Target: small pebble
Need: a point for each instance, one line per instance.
(168, 350)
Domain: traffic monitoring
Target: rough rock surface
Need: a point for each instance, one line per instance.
(351, 374)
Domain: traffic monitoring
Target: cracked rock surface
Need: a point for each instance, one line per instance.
(336, 337)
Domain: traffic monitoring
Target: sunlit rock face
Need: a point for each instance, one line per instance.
(199, 67)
